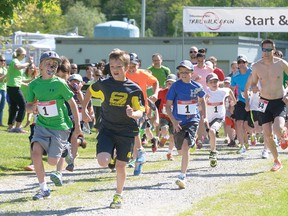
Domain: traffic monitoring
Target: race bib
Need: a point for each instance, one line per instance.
(187, 107)
(48, 108)
(262, 105)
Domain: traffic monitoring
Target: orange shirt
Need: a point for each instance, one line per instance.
(143, 79)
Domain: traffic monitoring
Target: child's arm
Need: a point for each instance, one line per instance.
(77, 131)
(133, 114)
(87, 98)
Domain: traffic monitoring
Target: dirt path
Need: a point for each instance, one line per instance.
(89, 190)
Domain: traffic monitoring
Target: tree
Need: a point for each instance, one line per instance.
(84, 18)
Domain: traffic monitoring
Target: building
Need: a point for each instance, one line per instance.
(173, 50)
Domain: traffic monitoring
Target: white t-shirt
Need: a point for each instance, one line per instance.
(216, 103)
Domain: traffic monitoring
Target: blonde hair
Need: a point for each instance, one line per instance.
(121, 55)
(18, 52)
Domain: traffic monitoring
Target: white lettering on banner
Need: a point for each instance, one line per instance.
(204, 19)
(187, 107)
(48, 108)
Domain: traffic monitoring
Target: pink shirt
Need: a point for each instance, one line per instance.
(201, 73)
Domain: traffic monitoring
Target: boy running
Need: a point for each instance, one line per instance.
(185, 95)
(122, 102)
(215, 100)
(53, 123)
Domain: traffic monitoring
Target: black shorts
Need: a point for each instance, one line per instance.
(239, 112)
(275, 108)
(188, 132)
(253, 117)
(164, 122)
(108, 141)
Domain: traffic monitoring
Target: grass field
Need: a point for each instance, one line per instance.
(264, 194)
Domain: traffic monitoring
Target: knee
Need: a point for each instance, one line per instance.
(52, 161)
(103, 159)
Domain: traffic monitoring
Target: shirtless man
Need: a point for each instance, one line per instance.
(269, 72)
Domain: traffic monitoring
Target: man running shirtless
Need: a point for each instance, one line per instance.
(269, 72)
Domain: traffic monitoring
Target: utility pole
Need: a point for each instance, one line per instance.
(143, 18)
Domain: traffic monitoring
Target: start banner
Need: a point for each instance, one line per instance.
(205, 19)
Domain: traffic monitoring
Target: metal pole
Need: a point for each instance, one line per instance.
(143, 18)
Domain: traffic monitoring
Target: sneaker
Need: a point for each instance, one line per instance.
(68, 154)
(163, 141)
(131, 163)
(265, 154)
(241, 150)
(213, 159)
(155, 142)
(192, 149)
(41, 195)
(144, 139)
(29, 168)
(247, 146)
(170, 157)
(181, 182)
(253, 140)
(284, 142)
(117, 202)
(226, 141)
(277, 166)
(112, 164)
(70, 167)
(138, 168)
(199, 143)
(56, 178)
(232, 144)
(82, 141)
(261, 139)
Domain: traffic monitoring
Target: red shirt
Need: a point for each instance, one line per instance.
(162, 98)
(219, 72)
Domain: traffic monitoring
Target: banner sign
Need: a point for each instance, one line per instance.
(204, 19)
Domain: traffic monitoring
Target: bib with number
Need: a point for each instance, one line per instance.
(262, 105)
(48, 108)
(187, 107)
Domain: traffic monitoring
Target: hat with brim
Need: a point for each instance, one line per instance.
(187, 64)
(171, 77)
(77, 77)
(50, 55)
(211, 77)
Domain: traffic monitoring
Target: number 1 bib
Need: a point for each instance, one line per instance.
(187, 107)
(48, 108)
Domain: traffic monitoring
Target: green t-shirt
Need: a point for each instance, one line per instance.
(285, 79)
(14, 76)
(51, 95)
(24, 88)
(3, 71)
(160, 73)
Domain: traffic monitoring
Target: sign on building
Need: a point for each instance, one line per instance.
(204, 19)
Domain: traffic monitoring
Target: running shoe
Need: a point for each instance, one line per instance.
(276, 166)
(138, 168)
(232, 144)
(284, 142)
(181, 182)
(141, 156)
(83, 142)
(213, 159)
(117, 202)
(144, 139)
(163, 141)
(253, 140)
(226, 140)
(241, 150)
(41, 195)
(247, 146)
(56, 178)
(199, 143)
(170, 157)
(265, 154)
(261, 138)
(155, 142)
(112, 164)
(70, 167)
(131, 163)
(29, 168)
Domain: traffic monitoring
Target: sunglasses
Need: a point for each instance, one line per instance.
(267, 49)
(241, 62)
(2, 60)
(74, 68)
(193, 52)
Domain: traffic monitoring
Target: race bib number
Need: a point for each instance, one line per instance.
(187, 107)
(215, 105)
(262, 105)
(48, 108)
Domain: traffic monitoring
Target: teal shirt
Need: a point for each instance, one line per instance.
(3, 72)
(14, 76)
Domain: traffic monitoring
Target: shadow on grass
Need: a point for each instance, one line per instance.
(57, 212)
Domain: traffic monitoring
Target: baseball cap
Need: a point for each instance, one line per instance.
(187, 64)
(134, 58)
(242, 58)
(50, 55)
(171, 77)
(227, 79)
(211, 76)
(76, 77)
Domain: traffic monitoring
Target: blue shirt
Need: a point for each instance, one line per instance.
(240, 80)
(180, 93)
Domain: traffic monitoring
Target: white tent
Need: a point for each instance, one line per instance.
(47, 43)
